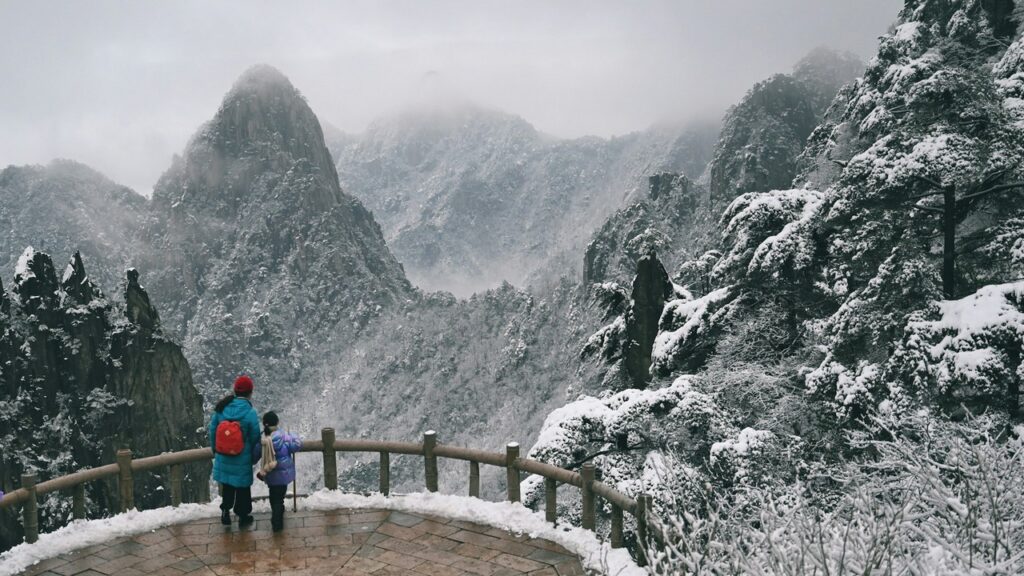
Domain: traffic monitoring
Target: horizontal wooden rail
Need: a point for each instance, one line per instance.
(470, 455)
(647, 526)
(549, 471)
(614, 496)
(72, 480)
(172, 459)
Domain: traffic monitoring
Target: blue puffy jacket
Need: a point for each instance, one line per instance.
(285, 445)
(237, 470)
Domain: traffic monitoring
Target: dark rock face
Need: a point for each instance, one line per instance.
(78, 381)
(763, 136)
(761, 140)
(255, 248)
(651, 289)
(822, 73)
(136, 299)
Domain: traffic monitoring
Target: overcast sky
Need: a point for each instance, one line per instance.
(122, 85)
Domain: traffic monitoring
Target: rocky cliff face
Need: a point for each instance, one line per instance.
(81, 378)
(254, 246)
(671, 220)
(763, 136)
(470, 197)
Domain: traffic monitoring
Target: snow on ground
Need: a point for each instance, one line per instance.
(82, 533)
(516, 518)
(596, 555)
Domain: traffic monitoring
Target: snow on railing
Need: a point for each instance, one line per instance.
(648, 529)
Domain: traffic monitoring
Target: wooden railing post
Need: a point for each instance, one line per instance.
(430, 459)
(177, 477)
(616, 533)
(511, 472)
(385, 473)
(78, 502)
(551, 500)
(30, 511)
(589, 519)
(330, 459)
(474, 478)
(124, 479)
(643, 506)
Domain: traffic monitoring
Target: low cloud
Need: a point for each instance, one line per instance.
(121, 86)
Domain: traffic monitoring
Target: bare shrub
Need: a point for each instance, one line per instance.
(933, 498)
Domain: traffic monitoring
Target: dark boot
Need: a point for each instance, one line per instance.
(246, 520)
(225, 517)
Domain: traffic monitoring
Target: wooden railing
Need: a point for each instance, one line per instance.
(648, 528)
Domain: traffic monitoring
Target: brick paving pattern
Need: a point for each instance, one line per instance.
(343, 543)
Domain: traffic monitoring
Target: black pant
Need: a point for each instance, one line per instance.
(239, 498)
(277, 494)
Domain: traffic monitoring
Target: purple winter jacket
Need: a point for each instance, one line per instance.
(284, 446)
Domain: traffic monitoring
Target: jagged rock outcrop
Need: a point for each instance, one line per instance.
(255, 248)
(619, 355)
(651, 290)
(140, 311)
(79, 381)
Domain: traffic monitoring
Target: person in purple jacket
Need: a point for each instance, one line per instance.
(278, 468)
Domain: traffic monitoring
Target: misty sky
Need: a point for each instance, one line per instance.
(122, 85)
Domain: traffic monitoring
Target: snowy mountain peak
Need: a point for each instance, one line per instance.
(263, 133)
(262, 77)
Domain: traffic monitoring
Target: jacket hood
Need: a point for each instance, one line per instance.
(237, 409)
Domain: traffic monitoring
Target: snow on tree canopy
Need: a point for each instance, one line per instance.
(967, 349)
(683, 322)
(677, 414)
(763, 231)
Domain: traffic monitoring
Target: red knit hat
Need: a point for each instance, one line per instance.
(243, 384)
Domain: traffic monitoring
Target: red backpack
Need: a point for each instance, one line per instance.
(229, 439)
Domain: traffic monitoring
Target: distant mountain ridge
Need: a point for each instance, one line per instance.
(66, 207)
(765, 133)
(470, 197)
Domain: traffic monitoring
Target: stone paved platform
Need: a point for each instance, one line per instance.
(341, 543)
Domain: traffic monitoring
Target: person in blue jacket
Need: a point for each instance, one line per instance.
(234, 473)
(278, 468)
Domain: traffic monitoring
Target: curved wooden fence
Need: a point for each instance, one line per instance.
(429, 449)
